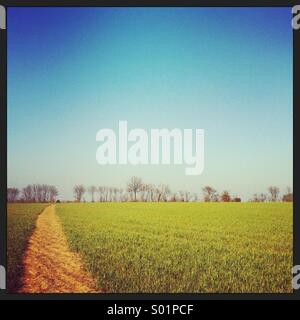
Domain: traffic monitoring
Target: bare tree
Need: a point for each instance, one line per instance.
(121, 194)
(288, 196)
(27, 193)
(144, 192)
(101, 193)
(259, 197)
(163, 191)
(35, 192)
(92, 190)
(106, 194)
(215, 197)
(38, 192)
(12, 194)
(115, 194)
(151, 191)
(187, 196)
(210, 194)
(181, 195)
(274, 192)
(225, 196)
(125, 197)
(79, 191)
(173, 197)
(134, 186)
(53, 193)
(110, 193)
(44, 192)
(195, 197)
(262, 197)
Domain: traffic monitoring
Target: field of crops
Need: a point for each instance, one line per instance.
(183, 247)
(20, 225)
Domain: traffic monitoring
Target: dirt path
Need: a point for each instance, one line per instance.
(49, 264)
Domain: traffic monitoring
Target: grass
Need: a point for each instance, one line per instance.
(20, 225)
(183, 247)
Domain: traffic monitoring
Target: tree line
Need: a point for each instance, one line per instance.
(137, 190)
(273, 195)
(33, 193)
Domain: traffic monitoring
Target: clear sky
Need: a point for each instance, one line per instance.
(73, 71)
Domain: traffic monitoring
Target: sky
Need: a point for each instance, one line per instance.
(74, 71)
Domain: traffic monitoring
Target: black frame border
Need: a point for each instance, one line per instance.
(123, 297)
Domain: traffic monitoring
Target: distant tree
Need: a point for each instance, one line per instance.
(92, 190)
(274, 192)
(187, 196)
(79, 191)
(53, 193)
(12, 194)
(210, 194)
(44, 193)
(181, 195)
(134, 186)
(106, 194)
(144, 192)
(101, 193)
(151, 192)
(115, 194)
(225, 197)
(110, 193)
(121, 195)
(125, 196)
(163, 191)
(259, 197)
(173, 197)
(262, 197)
(236, 199)
(27, 193)
(35, 192)
(38, 192)
(288, 196)
(215, 197)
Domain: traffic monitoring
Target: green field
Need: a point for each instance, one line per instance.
(183, 247)
(20, 225)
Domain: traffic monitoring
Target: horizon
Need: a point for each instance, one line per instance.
(181, 195)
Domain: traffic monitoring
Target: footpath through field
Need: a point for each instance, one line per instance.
(49, 264)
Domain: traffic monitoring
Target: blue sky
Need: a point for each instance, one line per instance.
(73, 71)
